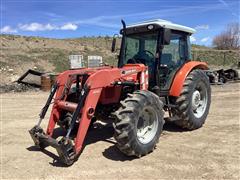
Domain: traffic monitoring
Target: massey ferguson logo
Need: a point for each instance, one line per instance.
(129, 71)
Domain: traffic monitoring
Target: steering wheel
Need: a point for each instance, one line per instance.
(134, 60)
(149, 52)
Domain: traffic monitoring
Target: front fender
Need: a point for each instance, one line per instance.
(181, 75)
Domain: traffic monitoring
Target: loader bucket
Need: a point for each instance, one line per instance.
(64, 147)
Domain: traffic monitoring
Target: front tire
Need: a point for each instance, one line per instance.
(138, 123)
(194, 101)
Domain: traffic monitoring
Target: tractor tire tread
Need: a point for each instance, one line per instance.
(183, 101)
(125, 118)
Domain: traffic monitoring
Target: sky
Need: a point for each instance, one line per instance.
(72, 18)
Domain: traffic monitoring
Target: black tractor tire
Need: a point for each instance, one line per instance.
(127, 120)
(65, 120)
(189, 119)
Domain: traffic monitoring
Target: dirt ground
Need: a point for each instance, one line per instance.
(212, 152)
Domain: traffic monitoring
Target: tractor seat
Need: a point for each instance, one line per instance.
(166, 59)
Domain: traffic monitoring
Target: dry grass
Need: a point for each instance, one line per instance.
(21, 53)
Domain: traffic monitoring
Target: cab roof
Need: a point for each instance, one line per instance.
(164, 24)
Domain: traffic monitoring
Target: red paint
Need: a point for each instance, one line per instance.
(91, 102)
(69, 106)
(110, 94)
(181, 75)
(100, 81)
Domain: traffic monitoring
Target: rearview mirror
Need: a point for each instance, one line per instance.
(166, 36)
(113, 44)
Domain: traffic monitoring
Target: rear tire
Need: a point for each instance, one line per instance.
(138, 123)
(194, 101)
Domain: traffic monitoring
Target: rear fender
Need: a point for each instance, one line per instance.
(181, 75)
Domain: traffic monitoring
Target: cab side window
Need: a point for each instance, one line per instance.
(174, 53)
(172, 58)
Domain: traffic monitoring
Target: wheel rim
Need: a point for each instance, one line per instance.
(199, 101)
(147, 125)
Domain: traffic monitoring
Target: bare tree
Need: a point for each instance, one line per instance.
(228, 39)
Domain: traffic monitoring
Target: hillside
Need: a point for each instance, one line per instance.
(20, 53)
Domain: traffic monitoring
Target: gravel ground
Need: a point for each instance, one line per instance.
(211, 152)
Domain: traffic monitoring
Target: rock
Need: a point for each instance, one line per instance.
(14, 78)
(10, 70)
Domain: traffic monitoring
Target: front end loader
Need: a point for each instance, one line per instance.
(91, 86)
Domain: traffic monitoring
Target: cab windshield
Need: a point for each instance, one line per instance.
(140, 48)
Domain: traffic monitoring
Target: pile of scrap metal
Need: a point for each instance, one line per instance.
(37, 79)
(222, 76)
(31, 77)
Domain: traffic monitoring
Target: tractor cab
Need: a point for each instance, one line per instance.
(161, 45)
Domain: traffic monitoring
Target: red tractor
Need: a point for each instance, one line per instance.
(155, 73)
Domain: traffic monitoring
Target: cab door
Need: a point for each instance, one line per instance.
(173, 56)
